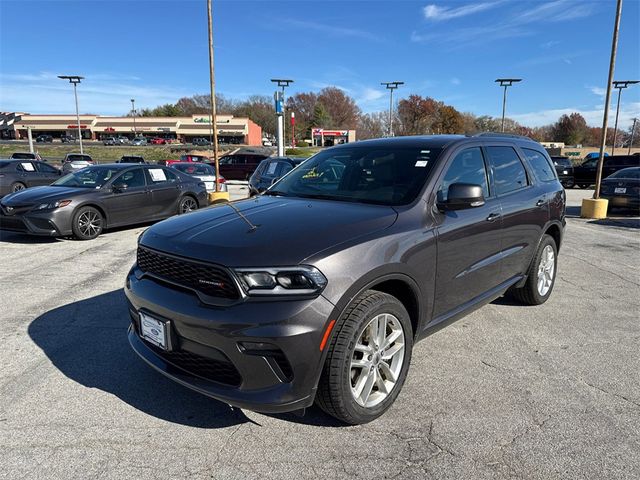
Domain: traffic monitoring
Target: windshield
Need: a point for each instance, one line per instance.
(131, 160)
(196, 169)
(23, 156)
(90, 177)
(626, 173)
(382, 176)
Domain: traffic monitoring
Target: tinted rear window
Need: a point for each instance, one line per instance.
(626, 173)
(541, 167)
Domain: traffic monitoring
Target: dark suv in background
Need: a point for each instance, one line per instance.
(317, 289)
(585, 174)
(564, 169)
(269, 171)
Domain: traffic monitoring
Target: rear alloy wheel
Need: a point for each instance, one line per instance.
(187, 204)
(87, 223)
(541, 276)
(16, 187)
(368, 359)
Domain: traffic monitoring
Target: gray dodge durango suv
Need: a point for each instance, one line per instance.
(317, 289)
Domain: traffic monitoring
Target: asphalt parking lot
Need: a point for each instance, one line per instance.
(509, 391)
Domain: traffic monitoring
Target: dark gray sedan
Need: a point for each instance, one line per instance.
(86, 202)
(16, 175)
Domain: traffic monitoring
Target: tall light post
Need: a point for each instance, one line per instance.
(133, 111)
(212, 93)
(75, 80)
(633, 131)
(619, 84)
(391, 86)
(506, 82)
(279, 99)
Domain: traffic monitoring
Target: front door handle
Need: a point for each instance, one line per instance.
(492, 217)
(540, 202)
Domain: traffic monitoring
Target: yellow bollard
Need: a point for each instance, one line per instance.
(594, 208)
(218, 197)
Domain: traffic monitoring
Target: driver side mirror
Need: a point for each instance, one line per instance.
(119, 187)
(461, 196)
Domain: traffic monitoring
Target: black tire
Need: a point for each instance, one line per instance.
(17, 186)
(529, 293)
(187, 204)
(87, 223)
(334, 389)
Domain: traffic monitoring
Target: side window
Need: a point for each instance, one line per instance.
(284, 168)
(27, 167)
(590, 163)
(467, 167)
(260, 169)
(44, 168)
(540, 165)
(271, 169)
(133, 178)
(509, 174)
(156, 176)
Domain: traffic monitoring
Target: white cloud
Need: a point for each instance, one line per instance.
(331, 30)
(100, 93)
(601, 92)
(592, 116)
(549, 44)
(436, 13)
(517, 23)
(455, 81)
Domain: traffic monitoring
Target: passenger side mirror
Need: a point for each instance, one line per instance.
(119, 187)
(461, 196)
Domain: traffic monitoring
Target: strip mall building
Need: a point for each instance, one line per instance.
(232, 130)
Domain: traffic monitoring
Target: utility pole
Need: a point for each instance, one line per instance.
(633, 131)
(75, 80)
(133, 110)
(506, 82)
(607, 100)
(619, 84)
(279, 100)
(391, 86)
(213, 97)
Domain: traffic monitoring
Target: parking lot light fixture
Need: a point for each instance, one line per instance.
(391, 86)
(620, 85)
(133, 112)
(282, 83)
(505, 82)
(75, 80)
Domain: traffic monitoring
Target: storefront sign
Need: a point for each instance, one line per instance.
(202, 120)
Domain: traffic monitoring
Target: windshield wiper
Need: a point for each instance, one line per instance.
(275, 193)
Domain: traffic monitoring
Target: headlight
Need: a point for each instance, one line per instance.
(53, 205)
(302, 280)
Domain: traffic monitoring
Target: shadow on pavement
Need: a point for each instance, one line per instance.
(15, 237)
(87, 341)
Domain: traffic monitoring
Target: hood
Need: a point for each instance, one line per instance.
(288, 230)
(47, 194)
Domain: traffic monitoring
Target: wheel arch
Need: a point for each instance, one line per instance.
(98, 207)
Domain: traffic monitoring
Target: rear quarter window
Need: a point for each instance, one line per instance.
(542, 168)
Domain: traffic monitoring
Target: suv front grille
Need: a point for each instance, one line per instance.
(209, 279)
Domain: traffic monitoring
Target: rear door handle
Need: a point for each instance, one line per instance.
(492, 217)
(540, 202)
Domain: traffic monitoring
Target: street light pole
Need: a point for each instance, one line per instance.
(213, 96)
(505, 82)
(391, 86)
(633, 131)
(283, 83)
(133, 110)
(75, 80)
(619, 84)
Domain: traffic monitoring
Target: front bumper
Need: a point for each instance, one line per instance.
(211, 345)
(53, 223)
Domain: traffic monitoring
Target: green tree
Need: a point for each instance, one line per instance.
(321, 118)
(571, 129)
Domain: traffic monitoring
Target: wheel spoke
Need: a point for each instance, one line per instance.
(380, 383)
(388, 373)
(362, 348)
(395, 334)
(368, 386)
(361, 363)
(393, 351)
(382, 330)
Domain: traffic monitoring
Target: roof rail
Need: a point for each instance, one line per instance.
(508, 135)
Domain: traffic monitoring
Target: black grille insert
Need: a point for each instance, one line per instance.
(207, 368)
(209, 279)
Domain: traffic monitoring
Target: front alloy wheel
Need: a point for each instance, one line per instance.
(87, 223)
(368, 359)
(188, 204)
(377, 360)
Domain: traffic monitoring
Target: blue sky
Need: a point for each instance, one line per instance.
(156, 52)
